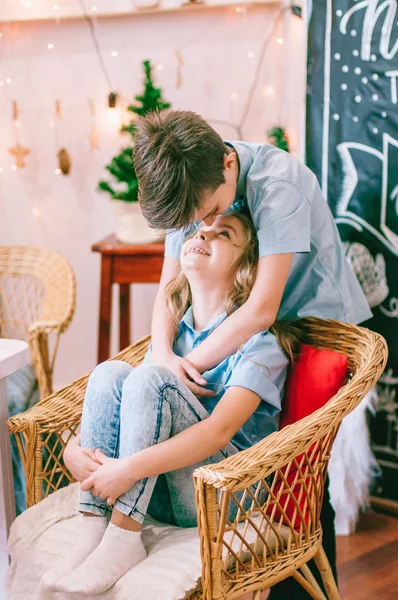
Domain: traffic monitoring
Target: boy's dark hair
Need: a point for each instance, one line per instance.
(178, 158)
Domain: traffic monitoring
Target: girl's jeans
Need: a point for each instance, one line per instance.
(128, 409)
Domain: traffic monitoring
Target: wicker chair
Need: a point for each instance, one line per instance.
(37, 298)
(263, 545)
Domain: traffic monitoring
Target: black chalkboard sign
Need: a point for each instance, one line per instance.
(352, 146)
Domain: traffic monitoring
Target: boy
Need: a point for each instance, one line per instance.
(187, 173)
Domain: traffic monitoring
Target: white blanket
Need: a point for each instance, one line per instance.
(42, 536)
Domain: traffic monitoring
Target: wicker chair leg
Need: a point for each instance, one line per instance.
(307, 586)
(323, 565)
(311, 579)
(256, 595)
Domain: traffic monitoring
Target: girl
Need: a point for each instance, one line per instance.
(141, 423)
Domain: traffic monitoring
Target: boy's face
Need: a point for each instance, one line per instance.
(219, 201)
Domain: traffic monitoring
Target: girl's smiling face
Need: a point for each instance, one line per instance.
(214, 249)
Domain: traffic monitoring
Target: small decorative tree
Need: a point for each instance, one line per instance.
(122, 165)
(279, 138)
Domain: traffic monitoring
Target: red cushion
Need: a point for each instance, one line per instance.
(316, 377)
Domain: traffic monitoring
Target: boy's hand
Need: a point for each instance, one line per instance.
(186, 373)
(111, 480)
(81, 462)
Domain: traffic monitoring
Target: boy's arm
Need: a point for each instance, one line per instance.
(163, 328)
(163, 334)
(257, 314)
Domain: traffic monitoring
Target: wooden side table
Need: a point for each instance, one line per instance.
(123, 264)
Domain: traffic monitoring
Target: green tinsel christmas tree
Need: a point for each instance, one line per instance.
(122, 165)
(278, 137)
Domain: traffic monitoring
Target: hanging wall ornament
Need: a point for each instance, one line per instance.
(18, 151)
(93, 135)
(180, 64)
(64, 159)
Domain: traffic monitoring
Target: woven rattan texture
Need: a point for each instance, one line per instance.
(277, 485)
(37, 303)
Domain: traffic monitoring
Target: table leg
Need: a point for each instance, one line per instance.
(7, 501)
(124, 316)
(104, 337)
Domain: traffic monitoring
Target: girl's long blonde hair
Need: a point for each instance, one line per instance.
(179, 298)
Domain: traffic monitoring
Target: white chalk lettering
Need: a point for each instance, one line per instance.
(393, 75)
(373, 11)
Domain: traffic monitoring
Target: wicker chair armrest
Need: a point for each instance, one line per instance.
(56, 413)
(277, 450)
(248, 466)
(51, 326)
(274, 452)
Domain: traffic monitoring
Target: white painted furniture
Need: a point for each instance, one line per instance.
(14, 354)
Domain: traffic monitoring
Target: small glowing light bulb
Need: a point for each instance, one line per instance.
(57, 171)
(1, 170)
(1, 35)
(51, 124)
(55, 7)
(238, 9)
(268, 91)
(36, 212)
(50, 46)
(94, 8)
(114, 52)
(8, 80)
(17, 123)
(234, 96)
(279, 41)
(250, 55)
(159, 67)
(13, 167)
(1, 83)
(28, 4)
(114, 116)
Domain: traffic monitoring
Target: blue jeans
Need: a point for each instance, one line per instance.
(128, 409)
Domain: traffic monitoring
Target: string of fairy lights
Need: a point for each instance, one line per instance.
(116, 101)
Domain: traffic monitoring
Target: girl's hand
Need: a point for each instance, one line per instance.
(186, 373)
(81, 462)
(111, 479)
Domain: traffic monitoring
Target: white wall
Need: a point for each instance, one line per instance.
(67, 213)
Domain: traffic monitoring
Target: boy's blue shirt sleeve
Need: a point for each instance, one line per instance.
(174, 239)
(261, 366)
(282, 217)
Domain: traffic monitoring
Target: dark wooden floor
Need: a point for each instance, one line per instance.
(367, 561)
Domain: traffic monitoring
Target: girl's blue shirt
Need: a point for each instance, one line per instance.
(259, 366)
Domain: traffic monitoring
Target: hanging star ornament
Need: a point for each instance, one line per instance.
(19, 152)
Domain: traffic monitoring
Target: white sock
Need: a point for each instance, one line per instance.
(118, 551)
(91, 533)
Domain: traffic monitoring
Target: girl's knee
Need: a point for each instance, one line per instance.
(148, 376)
(110, 372)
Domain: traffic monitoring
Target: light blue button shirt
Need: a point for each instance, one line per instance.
(291, 215)
(260, 366)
